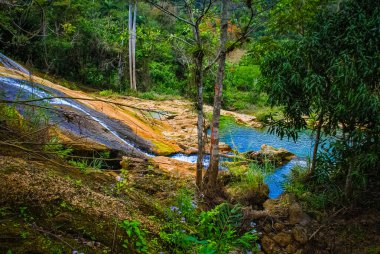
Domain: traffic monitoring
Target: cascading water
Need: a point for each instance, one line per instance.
(10, 64)
(31, 89)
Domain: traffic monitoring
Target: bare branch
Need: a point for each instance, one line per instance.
(79, 98)
(161, 8)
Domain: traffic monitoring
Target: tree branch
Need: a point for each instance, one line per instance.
(83, 99)
(248, 29)
(161, 8)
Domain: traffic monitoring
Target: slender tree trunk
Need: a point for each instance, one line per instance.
(134, 47)
(317, 140)
(120, 66)
(130, 32)
(120, 70)
(212, 172)
(44, 35)
(198, 56)
(350, 159)
(200, 123)
(348, 189)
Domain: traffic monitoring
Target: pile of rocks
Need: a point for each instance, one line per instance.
(283, 226)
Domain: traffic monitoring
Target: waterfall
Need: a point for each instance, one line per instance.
(10, 64)
(58, 101)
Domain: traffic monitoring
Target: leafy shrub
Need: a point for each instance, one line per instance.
(136, 240)
(215, 231)
(106, 93)
(299, 184)
(54, 146)
(164, 78)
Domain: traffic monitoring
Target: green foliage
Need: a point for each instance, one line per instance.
(305, 191)
(54, 146)
(11, 116)
(30, 126)
(106, 93)
(164, 77)
(83, 41)
(96, 162)
(251, 177)
(292, 16)
(247, 182)
(213, 231)
(241, 89)
(332, 71)
(136, 241)
(122, 185)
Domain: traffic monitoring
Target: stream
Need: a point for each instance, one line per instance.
(243, 139)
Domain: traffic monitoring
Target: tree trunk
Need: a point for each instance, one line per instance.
(198, 56)
(212, 172)
(348, 188)
(199, 83)
(44, 35)
(130, 45)
(120, 71)
(134, 48)
(317, 140)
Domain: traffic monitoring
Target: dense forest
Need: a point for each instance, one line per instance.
(143, 83)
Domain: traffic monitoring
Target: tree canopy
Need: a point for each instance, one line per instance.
(332, 72)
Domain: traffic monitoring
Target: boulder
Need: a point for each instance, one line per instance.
(276, 208)
(270, 154)
(223, 147)
(283, 239)
(279, 226)
(299, 234)
(297, 216)
(291, 248)
(176, 168)
(131, 162)
(269, 245)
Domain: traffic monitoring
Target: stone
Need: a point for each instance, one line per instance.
(235, 252)
(296, 215)
(131, 162)
(299, 234)
(291, 248)
(176, 168)
(276, 208)
(268, 245)
(267, 228)
(283, 239)
(278, 226)
(224, 148)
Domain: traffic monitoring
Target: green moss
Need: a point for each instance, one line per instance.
(162, 148)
